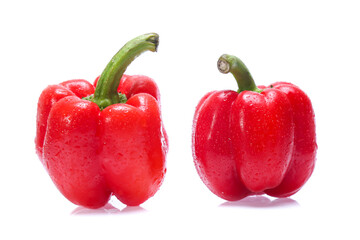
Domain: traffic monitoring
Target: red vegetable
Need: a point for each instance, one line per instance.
(254, 141)
(95, 142)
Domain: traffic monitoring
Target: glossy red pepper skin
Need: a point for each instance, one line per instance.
(91, 153)
(255, 142)
(52, 94)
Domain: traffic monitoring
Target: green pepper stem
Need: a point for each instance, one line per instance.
(228, 63)
(106, 90)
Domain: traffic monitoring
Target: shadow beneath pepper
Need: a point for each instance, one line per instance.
(262, 202)
(108, 209)
(131, 210)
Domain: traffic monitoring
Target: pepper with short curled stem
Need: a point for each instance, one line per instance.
(256, 140)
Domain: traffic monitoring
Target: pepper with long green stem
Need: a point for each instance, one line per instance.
(108, 140)
(256, 140)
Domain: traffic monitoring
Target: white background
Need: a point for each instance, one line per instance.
(313, 44)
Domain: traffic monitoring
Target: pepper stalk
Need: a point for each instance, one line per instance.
(106, 92)
(229, 63)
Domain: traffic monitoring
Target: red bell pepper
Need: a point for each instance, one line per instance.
(254, 141)
(108, 140)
